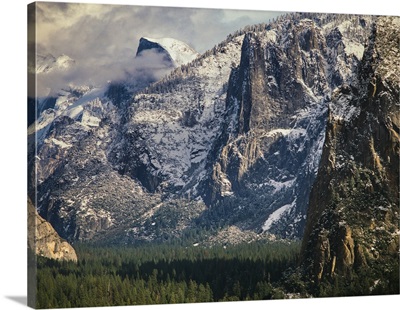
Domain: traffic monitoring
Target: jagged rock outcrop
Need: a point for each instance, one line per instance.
(44, 240)
(277, 98)
(352, 220)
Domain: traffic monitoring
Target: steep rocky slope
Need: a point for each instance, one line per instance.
(171, 126)
(353, 216)
(231, 141)
(269, 143)
(79, 191)
(244, 132)
(44, 240)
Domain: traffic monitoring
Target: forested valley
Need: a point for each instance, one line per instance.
(162, 273)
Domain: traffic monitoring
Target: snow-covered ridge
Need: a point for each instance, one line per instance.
(178, 127)
(49, 63)
(180, 52)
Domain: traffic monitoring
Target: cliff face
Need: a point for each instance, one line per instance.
(44, 240)
(352, 219)
(267, 155)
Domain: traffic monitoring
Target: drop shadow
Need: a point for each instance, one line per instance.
(23, 300)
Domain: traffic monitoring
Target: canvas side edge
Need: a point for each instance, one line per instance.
(31, 177)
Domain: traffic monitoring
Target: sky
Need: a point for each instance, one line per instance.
(103, 39)
(100, 29)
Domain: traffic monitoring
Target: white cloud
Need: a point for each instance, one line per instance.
(103, 39)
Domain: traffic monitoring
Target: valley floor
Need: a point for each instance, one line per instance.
(160, 274)
(171, 273)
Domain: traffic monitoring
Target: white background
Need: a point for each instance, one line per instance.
(13, 147)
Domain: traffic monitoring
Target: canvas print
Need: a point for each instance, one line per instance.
(182, 155)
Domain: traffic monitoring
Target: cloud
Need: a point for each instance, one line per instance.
(150, 66)
(103, 39)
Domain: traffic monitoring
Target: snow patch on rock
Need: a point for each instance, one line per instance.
(278, 214)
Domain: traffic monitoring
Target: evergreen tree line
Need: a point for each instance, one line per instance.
(160, 274)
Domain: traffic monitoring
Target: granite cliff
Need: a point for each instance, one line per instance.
(352, 221)
(44, 240)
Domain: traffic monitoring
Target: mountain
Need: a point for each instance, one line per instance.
(44, 240)
(225, 147)
(352, 226)
(175, 51)
(267, 155)
(154, 59)
(64, 123)
(43, 65)
(246, 140)
(48, 63)
(78, 153)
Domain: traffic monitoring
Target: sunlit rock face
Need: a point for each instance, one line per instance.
(352, 220)
(44, 240)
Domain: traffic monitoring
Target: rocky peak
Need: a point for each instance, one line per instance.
(276, 107)
(249, 87)
(353, 207)
(175, 52)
